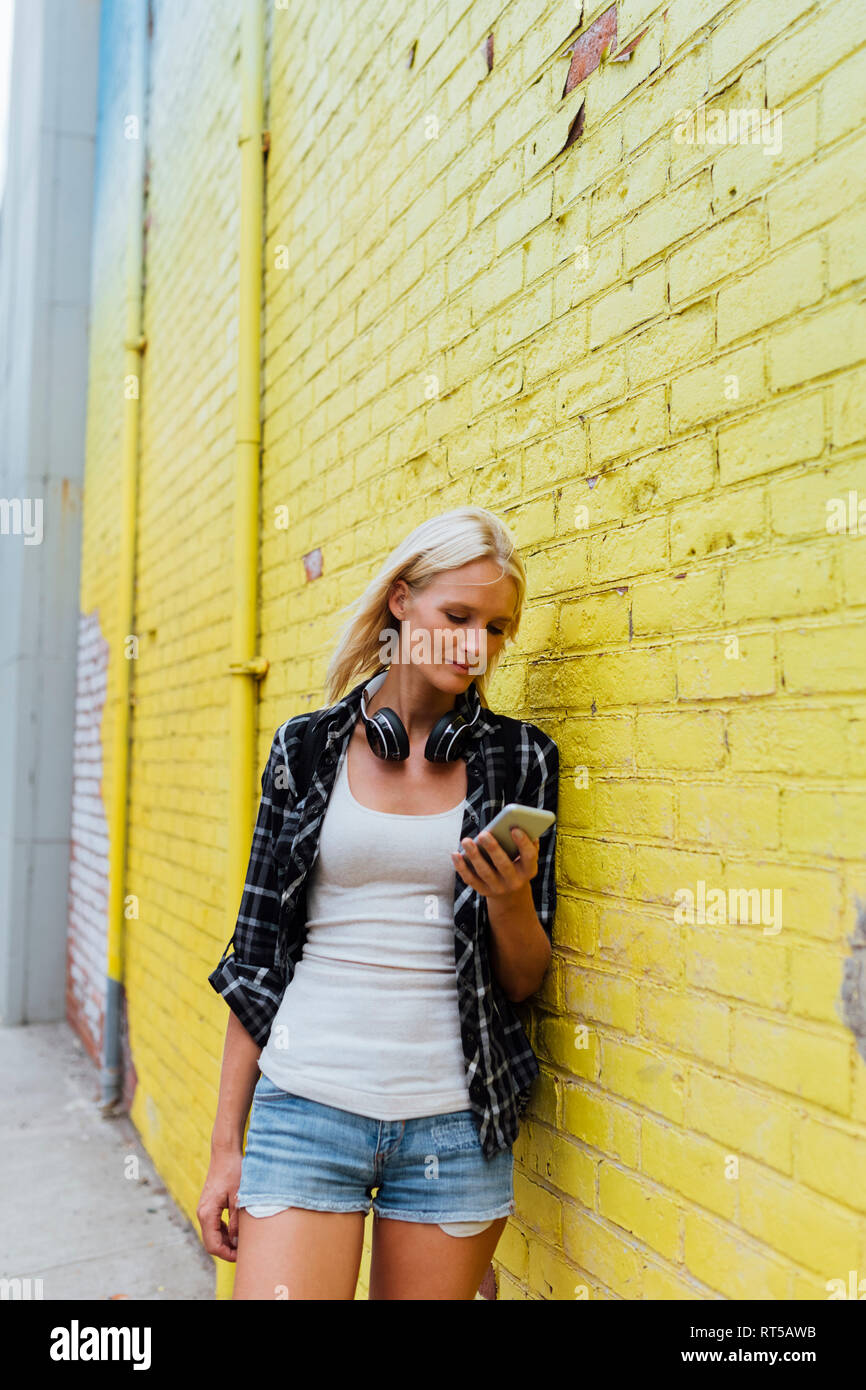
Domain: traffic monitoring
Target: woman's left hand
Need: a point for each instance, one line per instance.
(504, 875)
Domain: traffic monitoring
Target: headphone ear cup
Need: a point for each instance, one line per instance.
(386, 735)
(448, 738)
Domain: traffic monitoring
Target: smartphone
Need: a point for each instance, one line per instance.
(528, 818)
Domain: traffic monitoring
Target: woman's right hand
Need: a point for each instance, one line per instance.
(218, 1195)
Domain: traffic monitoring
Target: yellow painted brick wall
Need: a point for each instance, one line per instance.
(649, 357)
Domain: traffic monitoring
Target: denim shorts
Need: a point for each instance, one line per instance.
(302, 1153)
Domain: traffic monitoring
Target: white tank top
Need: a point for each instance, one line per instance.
(370, 1021)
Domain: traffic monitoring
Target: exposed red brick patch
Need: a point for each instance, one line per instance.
(487, 1287)
(488, 52)
(587, 51)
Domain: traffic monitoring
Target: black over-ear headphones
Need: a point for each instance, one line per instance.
(386, 733)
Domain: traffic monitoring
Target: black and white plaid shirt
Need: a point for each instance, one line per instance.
(269, 934)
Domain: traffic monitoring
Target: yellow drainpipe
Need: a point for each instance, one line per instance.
(122, 698)
(245, 665)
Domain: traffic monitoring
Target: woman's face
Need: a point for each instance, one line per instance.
(457, 624)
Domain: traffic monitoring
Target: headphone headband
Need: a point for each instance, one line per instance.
(388, 739)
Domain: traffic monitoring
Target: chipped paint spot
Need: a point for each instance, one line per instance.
(488, 52)
(625, 53)
(853, 998)
(575, 130)
(313, 563)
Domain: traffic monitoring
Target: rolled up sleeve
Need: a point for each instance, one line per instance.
(248, 976)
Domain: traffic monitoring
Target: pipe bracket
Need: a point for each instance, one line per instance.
(257, 666)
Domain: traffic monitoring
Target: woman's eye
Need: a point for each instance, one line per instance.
(453, 618)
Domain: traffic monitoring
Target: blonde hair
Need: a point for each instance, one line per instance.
(441, 543)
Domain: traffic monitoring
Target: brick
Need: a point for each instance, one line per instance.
(814, 49)
(806, 504)
(595, 621)
(628, 188)
(730, 1264)
(493, 286)
(623, 309)
(539, 1209)
(590, 270)
(789, 584)
(832, 1161)
(716, 524)
(776, 289)
(747, 31)
(745, 1121)
(555, 346)
(632, 428)
(762, 739)
(662, 348)
(644, 485)
(666, 741)
(819, 660)
(641, 943)
(736, 816)
(846, 244)
(677, 605)
(843, 99)
(548, 1272)
(698, 1027)
(787, 433)
(741, 171)
(596, 741)
(654, 109)
(644, 1076)
(588, 49)
(551, 1156)
(638, 1207)
(587, 164)
(688, 1165)
(602, 1251)
(659, 871)
(727, 384)
(644, 808)
(803, 1062)
(678, 214)
(596, 1120)
(816, 194)
(831, 823)
(811, 1230)
(601, 378)
(823, 343)
(722, 251)
(620, 553)
(815, 976)
(704, 672)
(600, 999)
(562, 454)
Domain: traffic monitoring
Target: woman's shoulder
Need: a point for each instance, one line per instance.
(536, 737)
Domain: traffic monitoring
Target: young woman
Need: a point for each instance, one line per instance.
(394, 1063)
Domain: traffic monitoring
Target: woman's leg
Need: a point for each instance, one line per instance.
(299, 1254)
(417, 1260)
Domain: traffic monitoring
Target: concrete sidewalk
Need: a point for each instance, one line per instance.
(72, 1218)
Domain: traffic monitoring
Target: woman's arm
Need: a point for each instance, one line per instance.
(521, 893)
(237, 1083)
(238, 1078)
